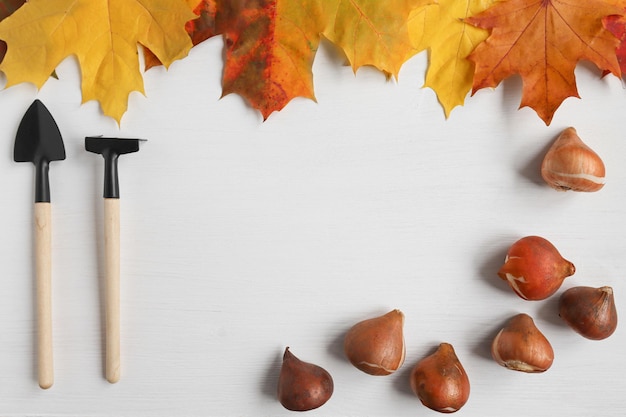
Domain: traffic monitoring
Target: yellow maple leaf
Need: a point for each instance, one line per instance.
(102, 34)
(441, 29)
(371, 32)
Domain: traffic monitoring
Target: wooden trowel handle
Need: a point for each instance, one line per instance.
(43, 285)
(112, 288)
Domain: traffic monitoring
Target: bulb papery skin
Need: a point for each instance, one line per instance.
(303, 386)
(376, 346)
(440, 381)
(591, 312)
(570, 164)
(520, 346)
(534, 268)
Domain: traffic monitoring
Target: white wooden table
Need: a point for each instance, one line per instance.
(240, 238)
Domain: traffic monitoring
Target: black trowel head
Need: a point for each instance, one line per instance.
(38, 137)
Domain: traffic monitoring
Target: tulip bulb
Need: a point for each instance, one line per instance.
(440, 382)
(569, 164)
(589, 311)
(534, 268)
(302, 386)
(376, 345)
(520, 346)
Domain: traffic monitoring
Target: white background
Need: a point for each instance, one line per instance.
(241, 237)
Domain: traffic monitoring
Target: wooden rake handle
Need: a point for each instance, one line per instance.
(112, 288)
(43, 285)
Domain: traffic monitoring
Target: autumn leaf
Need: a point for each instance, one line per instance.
(205, 26)
(200, 29)
(102, 34)
(441, 28)
(7, 7)
(370, 32)
(542, 41)
(270, 45)
(617, 26)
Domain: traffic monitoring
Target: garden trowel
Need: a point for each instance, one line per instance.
(39, 141)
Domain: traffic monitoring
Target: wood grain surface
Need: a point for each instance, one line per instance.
(240, 237)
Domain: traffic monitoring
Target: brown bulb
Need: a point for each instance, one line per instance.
(440, 382)
(520, 346)
(376, 346)
(589, 311)
(534, 268)
(302, 386)
(569, 164)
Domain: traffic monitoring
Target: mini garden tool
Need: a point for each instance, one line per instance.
(39, 141)
(111, 149)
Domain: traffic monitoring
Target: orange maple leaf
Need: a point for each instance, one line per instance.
(205, 26)
(270, 46)
(542, 41)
